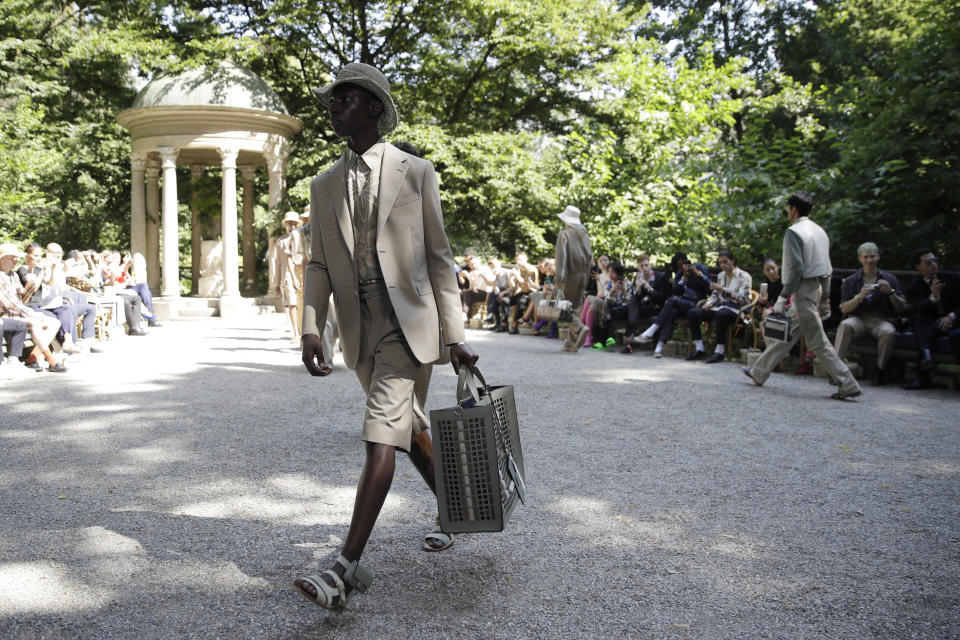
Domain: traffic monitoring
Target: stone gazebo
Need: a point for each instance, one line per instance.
(224, 116)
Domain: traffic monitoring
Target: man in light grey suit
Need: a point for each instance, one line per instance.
(806, 276)
(379, 247)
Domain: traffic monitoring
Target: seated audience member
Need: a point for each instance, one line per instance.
(935, 299)
(598, 276)
(530, 315)
(548, 289)
(869, 299)
(13, 334)
(692, 285)
(481, 284)
(500, 291)
(43, 329)
(113, 273)
(770, 292)
(650, 290)
(613, 308)
(730, 292)
(593, 304)
(524, 280)
(56, 285)
(37, 292)
(137, 281)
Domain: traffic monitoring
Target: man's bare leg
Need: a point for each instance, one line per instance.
(294, 325)
(421, 455)
(375, 481)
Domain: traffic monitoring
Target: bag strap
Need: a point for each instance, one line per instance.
(467, 385)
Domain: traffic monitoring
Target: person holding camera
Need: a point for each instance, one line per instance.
(806, 277)
(869, 299)
(692, 285)
(935, 300)
(729, 293)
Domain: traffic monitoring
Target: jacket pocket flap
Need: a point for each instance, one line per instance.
(423, 288)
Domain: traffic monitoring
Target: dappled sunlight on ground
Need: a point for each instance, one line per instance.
(214, 471)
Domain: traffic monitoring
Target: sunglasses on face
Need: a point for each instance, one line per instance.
(931, 262)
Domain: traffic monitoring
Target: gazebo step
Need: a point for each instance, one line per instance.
(199, 312)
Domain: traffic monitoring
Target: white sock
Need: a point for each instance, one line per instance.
(658, 348)
(652, 329)
(721, 348)
(698, 344)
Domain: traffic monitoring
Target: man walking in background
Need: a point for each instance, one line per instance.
(806, 276)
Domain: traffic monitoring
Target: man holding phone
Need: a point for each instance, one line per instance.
(935, 299)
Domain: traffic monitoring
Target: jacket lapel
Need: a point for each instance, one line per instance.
(392, 172)
(336, 188)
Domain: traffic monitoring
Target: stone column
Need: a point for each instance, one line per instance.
(196, 173)
(138, 211)
(249, 246)
(228, 222)
(275, 170)
(153, 226)
(170, 284)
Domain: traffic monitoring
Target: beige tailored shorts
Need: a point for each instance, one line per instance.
(388, 372)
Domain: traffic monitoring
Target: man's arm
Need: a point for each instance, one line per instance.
(560, 257)
(792, 263)
(316, 296)
(440, 266)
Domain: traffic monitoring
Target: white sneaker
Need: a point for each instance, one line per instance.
(658, 354)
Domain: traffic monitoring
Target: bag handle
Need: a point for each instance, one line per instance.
(467, 385)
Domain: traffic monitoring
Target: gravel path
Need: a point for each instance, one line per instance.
(175, 485)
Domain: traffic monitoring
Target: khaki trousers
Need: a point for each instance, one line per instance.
(388, 372)
(573, 290)
(805, 315)
(877, 326)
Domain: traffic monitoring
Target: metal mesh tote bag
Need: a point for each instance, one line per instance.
(477, 459)
(556, 309)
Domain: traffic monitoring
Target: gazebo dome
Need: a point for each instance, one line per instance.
(225, 85)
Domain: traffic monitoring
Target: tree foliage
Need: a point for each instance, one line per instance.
(674, 124)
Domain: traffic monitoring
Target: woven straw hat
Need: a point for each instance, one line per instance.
(371, 79)
(291, 216)
(10, 249)
(570, 215)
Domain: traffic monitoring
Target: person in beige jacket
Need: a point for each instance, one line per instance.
(287, 257)
(574, 259)
(379, 247)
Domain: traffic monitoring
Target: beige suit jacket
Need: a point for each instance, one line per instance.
(413, 250)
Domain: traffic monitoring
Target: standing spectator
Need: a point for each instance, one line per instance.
(869, 299)
(806, 277)
(690, 287)
(287, 255)
(574, 258)
(935, 298)
(730, 292)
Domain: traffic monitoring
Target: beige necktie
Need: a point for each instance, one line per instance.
(359, 188)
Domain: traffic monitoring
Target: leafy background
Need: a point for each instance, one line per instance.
(673, 124)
